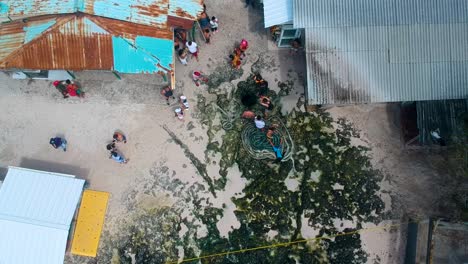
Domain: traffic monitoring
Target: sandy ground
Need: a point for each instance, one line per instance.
(32, 112)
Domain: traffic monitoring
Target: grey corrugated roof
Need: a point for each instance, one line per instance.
(356, 13)
(277, 12)
(376, 51)
(444, 115)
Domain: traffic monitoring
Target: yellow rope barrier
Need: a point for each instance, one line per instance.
(284, 244)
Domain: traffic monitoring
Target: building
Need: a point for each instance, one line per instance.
(363, 51)
(384, 51)
(134, 37)
(278, 17)
(448, 119)
(36, 211)
(436, 241)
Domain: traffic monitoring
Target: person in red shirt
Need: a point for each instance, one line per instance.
(61, 88)
(73, 89)
(243, 47)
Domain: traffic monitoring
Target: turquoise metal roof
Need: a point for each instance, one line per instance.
(147, 12)
(189, 9)
(144, 55)
(35, 30)
(28, 8)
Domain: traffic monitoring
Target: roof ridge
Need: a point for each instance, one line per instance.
(60, 20)
(93, 18)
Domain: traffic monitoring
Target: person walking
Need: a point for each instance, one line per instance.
(167, 92)
(207, 35)
(183, 56)
(58, 142)
(118, 157)
(193, 48)
(214, 25)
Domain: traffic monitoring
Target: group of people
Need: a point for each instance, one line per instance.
(186, 47)
(190, 47)
(208, 25)
(239, 54)
(184, 105)
(68, 88)
(259, 121)
(114, 153)
(183, 102)
(61, 143)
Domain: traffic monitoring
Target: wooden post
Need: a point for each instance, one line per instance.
(27, 74)
(71, 74)
(117, 75)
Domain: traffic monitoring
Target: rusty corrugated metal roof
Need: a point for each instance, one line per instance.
(131, 30)
(188, 9)
(85, 42)
(29, 8)
(87, 39)
(11, 38)
(147, 12)
(73, 43)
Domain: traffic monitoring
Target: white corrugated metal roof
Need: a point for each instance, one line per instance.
(384, 51)
(36, 209)
(277, 12)
(22, 243)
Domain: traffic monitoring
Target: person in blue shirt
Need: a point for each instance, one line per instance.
(118, 158)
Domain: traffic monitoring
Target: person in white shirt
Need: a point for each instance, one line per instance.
(214, 25)
(193, 48)
(184, 102)
(259, 123)
(179, 113)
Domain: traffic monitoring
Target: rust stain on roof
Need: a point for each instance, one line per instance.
(182, 13)
(131, 30)
(186, 9)
(156, 9)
